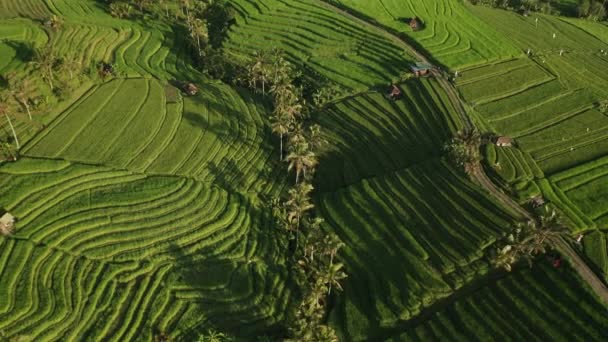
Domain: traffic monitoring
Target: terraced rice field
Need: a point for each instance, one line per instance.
(548, 102)
(218, 136)
(542, 303)
(451, 34)
(140, 212)
(585, 186)
(406, 253)
(595, 246)
(331, 45)
(98, 246)
(370, 136)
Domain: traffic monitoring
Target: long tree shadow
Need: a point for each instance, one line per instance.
(234, 295)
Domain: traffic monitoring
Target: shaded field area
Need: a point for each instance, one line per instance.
(96, 246)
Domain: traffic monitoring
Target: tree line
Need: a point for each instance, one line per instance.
(313, 251)
(48, 77)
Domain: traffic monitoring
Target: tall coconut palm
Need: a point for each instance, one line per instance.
(297, 134)
(141, 4)
(20, 89)
(464, 149)
(280, 124)
(301, 159)
(199, 32)
(71, 64)
(530, 239)
(334, 274)
(259, 69)
(4, 110)
(298, 204)
(46, 62)
(120, 10)
(315, 138)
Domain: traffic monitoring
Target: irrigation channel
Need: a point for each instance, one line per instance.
(479, 174)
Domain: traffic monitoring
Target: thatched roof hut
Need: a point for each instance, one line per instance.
(415, 24)
(191, 89)
(504, 141)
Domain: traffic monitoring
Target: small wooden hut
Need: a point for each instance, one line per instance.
(395, 92)
(504, 141)
(421, 69)
(415, 24)
(190, 89)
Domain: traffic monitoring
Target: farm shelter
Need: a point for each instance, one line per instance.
(191, 89)
(421, 69)
(415, 24)
(505, 141)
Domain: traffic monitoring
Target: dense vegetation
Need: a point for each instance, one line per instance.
(217, 170)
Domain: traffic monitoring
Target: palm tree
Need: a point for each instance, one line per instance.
(297, 134)
(166, 6)
(464, 149)
(298, 204)
(46, 62)
(300, 159)
(71, 63)
(530, 239)
(20, 88)
(141, 4)
(120, 9)
(198, 31)
(4, 110)
(280, 124)
(315, 138)
(334, 275)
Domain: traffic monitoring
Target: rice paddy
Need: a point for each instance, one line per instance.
(141, 210)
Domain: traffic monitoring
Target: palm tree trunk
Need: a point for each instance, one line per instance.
(13, 129)
(281, 151)
(50, 79)
(27, 107)
(166, 10)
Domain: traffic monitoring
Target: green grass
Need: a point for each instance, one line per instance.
(333, 46)
(539, 303)
(452, 34)
(412, 237)
(369, 136)
(138, 214)
(218, 136)
(98, 237)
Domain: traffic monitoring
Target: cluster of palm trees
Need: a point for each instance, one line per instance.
(529, 240)
(18, 94)
(315, 250)
(464, 149)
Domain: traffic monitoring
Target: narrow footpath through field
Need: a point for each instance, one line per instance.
(479, 173)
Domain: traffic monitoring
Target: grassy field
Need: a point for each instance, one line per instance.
(532, 304)
(140, 212)
(451, 34)
(332, 46)
(98, 246)
(548, 102)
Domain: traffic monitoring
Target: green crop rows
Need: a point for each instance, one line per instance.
(451, 34)
(140, 212)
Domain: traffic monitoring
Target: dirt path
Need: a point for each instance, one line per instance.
(479, 174)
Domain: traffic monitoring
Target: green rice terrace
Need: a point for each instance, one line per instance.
(303, 170)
